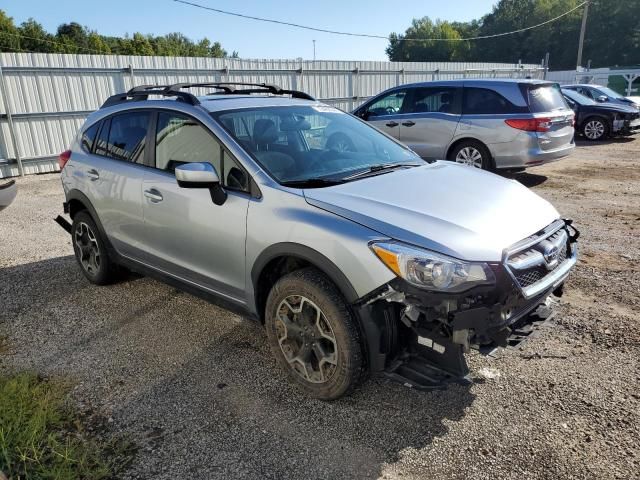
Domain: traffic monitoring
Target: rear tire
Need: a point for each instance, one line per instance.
(595, 129)
(90, 250)
(473, 154)
(313, 334)
(339, 142)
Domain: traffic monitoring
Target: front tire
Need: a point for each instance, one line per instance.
(595, 129)
(472, 154)
(90, 250)
(313, 334)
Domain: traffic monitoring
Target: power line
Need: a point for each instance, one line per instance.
(366, 35)
(54, 42)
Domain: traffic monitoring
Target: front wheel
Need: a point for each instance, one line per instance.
(472, 154)
(313, 334)
(595, 129)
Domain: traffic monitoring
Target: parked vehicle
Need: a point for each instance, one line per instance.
(489, 124)
(8, 193)
(601, 94)
(356, 262)
(597, 121)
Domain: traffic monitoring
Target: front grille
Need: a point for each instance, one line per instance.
(539, 256)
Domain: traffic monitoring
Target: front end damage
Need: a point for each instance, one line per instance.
(420, 337)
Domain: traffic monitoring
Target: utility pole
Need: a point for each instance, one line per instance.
(314, 50)
(582, 30)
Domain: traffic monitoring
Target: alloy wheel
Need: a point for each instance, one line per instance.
(306, 339)
(88, 249)
(469, 156)
(594, 129)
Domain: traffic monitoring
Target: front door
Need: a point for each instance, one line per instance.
(186, 234)
(386, 112)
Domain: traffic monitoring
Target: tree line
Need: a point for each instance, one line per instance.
(612, 35)
(30, 36)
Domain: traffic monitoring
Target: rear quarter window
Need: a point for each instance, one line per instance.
(88, 137)
(483, 101)
(545, 98)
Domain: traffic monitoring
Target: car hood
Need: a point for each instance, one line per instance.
(452, 209)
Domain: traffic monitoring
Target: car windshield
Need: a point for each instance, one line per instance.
(315, 143)
(611, 93)
(578, 97)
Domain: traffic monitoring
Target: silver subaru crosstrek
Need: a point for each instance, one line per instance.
(356, 262)
(497, 124)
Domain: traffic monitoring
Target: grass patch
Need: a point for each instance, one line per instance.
(42, 437)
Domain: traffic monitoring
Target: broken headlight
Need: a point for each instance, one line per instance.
(430, 270)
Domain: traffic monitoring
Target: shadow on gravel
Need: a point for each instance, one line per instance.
(199, 391)
(530, 179)
(581, 142)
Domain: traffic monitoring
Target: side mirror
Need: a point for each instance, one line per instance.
(201, 175)
(363, 114)
(603, 98)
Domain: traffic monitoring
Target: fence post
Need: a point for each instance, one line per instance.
(131, 75)
(546, 66)
(355, 91)
(12, 133)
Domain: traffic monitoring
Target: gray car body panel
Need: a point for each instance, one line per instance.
(435, 133)
(455, 210)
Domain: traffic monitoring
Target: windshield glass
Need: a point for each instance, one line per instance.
(546, 98)
(609, 92)
(300, 143)
(578, 97)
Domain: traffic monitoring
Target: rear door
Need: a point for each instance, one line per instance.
(186, 235)
(114, 175)
(430, 120)
(546, 101)
(386, 112)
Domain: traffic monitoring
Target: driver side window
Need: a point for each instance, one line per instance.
(390, 104)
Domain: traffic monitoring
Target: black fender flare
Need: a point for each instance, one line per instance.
(310, 255)
(75, 194)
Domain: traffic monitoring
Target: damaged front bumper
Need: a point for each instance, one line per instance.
(419, 337)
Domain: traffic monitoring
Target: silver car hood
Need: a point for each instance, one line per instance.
(452, 209)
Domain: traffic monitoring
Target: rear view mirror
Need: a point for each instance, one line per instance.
(201, 175)
(603, 98)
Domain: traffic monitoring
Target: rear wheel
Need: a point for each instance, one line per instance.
(91, 253)
(313, 334)
(595, 129)
(339, 142)
(472, 154)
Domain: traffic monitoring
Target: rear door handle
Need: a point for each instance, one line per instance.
(392, 124)
(93, 174)
(408, 123)
(154, 195)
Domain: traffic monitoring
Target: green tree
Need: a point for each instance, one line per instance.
(35, 38)
(9, 39)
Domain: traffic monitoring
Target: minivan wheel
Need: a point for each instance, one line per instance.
(595, 129)
(313, 334)
(90, 251)
(471, 154)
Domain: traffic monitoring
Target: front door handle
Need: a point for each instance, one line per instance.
(154, 195)
(391, 124)
(408, 123)
(93, 174)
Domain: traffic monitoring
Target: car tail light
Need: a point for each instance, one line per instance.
(63, 158)
(530, 124)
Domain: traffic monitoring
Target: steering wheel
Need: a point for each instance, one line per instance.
(390, 110)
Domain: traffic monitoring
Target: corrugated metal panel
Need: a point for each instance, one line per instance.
(49, 94)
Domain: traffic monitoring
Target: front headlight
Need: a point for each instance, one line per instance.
(430, 270)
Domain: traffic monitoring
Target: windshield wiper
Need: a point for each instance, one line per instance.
(311, 183)
(379, 169)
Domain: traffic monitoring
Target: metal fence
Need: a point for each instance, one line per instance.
(46, 97)
(628, 77)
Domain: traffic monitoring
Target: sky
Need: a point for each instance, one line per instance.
(249, 38)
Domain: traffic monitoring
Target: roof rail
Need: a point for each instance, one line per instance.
(142, 92)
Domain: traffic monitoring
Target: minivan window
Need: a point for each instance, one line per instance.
(482, 101)
(434, 99)
(88, 137)
(546, 98)
(127, 136)
(181, 139)
(390, 104)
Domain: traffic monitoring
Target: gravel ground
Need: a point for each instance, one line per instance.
(200, 394)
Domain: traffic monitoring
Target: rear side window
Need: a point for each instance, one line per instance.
(482, 101)
(435, 99)
(88, 137)
(127, 136)
(546, 98)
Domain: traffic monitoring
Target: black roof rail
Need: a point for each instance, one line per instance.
(142, 92)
